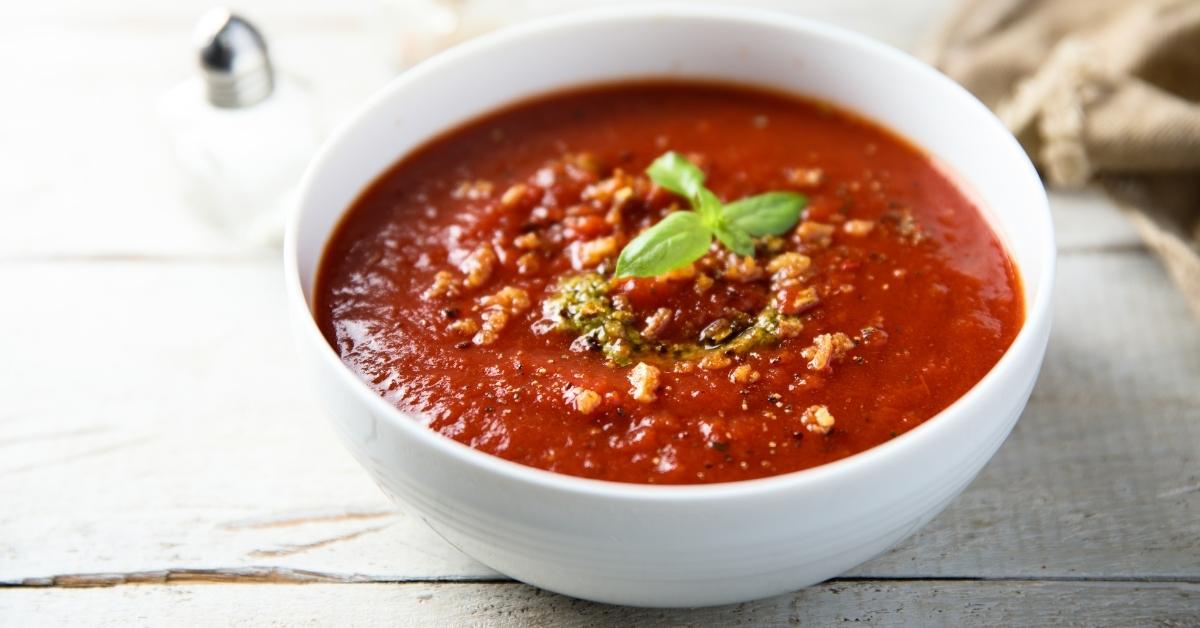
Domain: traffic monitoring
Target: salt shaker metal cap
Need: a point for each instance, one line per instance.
(233, 57)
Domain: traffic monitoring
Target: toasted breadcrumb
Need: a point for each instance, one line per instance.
(513, 300)
(444, 285)
(805, 177)
(498, 308)
(817, 419)
(819, 354)
(744, 374)
(528, 264)
(513, 195)
(621, 196)
(815, 233)
(613, 216)
(474, 190)
(742, 268)
(788, 266)
(644, 379)
(527, 241)
(585, 401)
(858, 228)
(714, 361)
(478, 266)
(604, 190)
(494, 320)
(790, 327)
(825, 349)
(657, 322)
(464, 327)
(590, 253)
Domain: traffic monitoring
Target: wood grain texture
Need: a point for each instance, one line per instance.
(95, 177)
(874, 603)
(161, 462)
(155, 420)
(182, 438)
(1101, 476)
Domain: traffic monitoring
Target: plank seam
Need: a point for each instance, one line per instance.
(275, 575)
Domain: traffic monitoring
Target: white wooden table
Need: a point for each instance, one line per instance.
(160, 463)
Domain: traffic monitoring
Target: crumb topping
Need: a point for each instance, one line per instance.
(478, 266)
(475, 285)
(444, 285)
(644, 379)
(744, 374)
(815, 233)
(817, 419)
(478, 189)
(657, 322)
(805, 178)
(592, 253)
(513, 195)
(825, 349)
(585, 233)
(464, 327)
(585, 401)
(858, 227)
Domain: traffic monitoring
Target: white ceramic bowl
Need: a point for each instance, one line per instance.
(678, 545)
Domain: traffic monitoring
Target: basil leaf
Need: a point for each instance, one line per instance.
(709, 208)
(684, 236)
(674, 172)
(734, 239)
(766, 214)
(677, 240)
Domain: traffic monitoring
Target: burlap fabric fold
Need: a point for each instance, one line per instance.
(1097, 90)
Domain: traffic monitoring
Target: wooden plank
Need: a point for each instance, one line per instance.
(174, 436)
(90, 172)
(155, 421)
(902, 26)
(152, 429)
(115, 185)
(877, 603)
(1100, 475)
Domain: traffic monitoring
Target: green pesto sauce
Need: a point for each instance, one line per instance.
(581, 305)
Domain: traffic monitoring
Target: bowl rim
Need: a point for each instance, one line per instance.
(1037, 309)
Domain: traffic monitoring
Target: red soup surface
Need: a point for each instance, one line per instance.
(473, 285)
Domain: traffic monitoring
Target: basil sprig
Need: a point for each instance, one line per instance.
(684, 236)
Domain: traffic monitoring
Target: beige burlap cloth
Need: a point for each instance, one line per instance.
(1097, 90)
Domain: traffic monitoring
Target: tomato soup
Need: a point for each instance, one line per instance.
(473, 285)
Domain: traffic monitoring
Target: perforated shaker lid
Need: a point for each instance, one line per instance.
(234, 60)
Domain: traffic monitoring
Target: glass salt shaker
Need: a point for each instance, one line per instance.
(240, 133)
